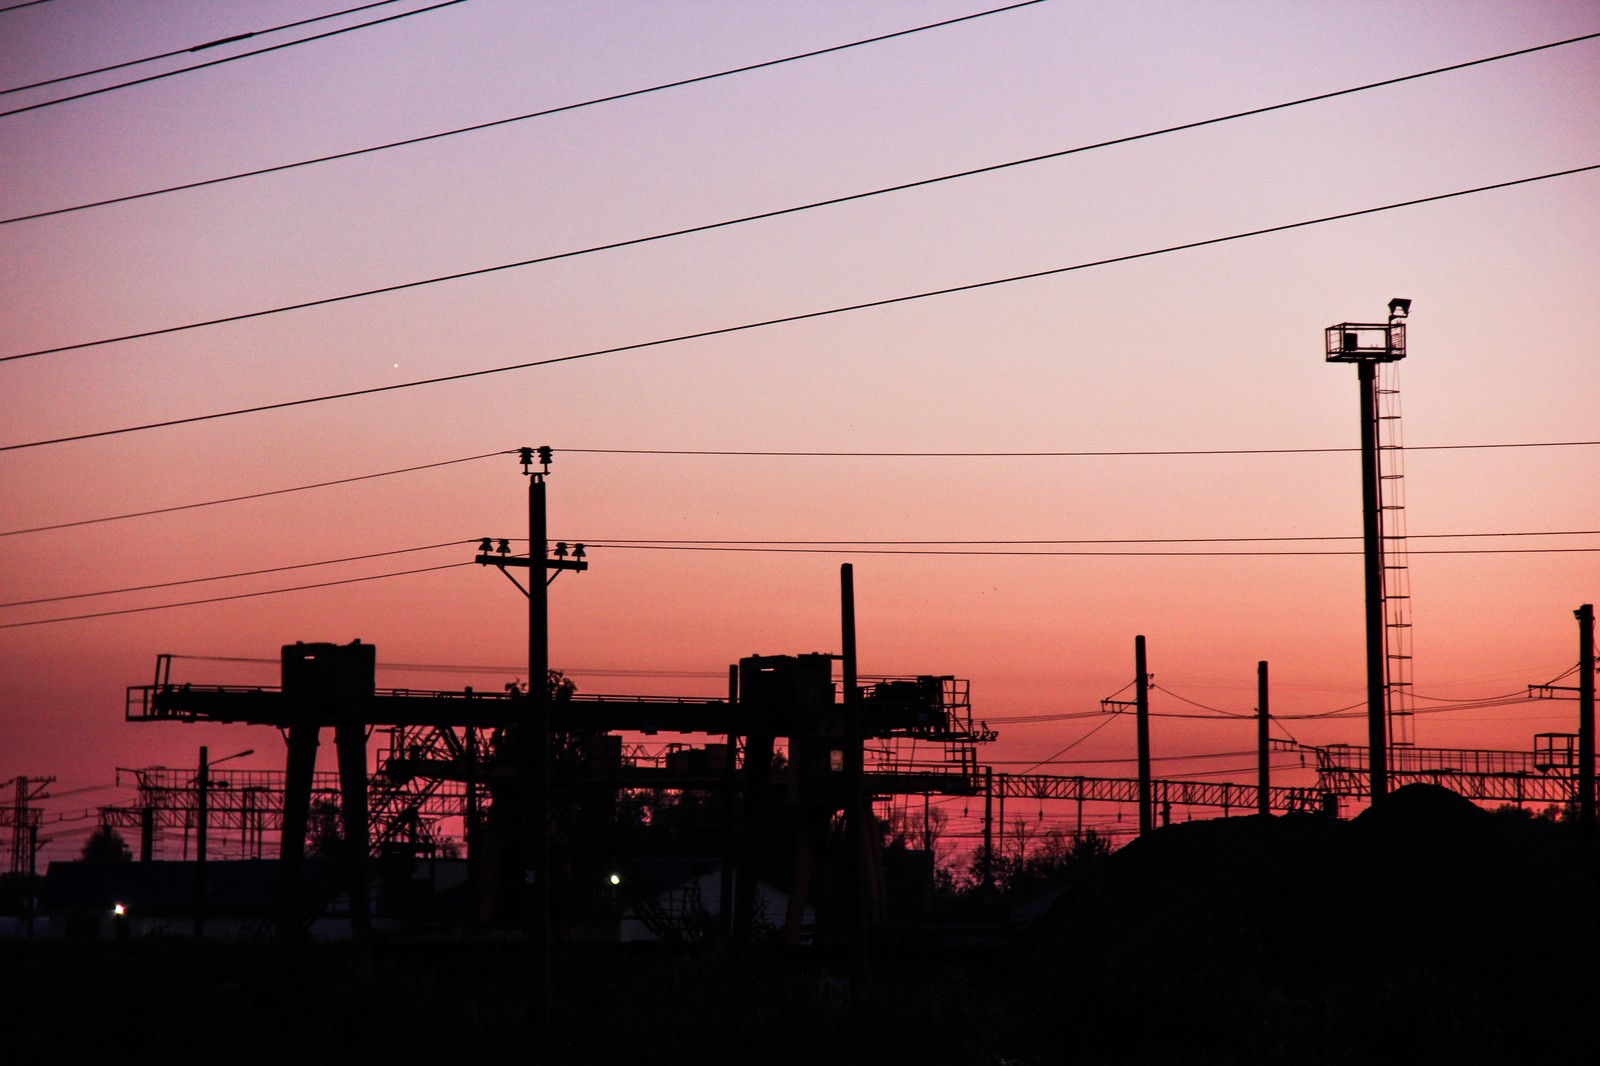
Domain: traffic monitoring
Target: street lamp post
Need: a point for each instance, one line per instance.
(202, 817)
(1367, 344)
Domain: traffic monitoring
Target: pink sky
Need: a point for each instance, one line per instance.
(1213, 348)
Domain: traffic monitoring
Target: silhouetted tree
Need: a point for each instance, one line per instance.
(106, 845)
(914, 830)
(1554, 812)
(1038, 862)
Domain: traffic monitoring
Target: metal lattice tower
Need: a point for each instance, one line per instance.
(22, 817)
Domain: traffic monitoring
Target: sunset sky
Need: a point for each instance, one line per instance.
(1189, 353)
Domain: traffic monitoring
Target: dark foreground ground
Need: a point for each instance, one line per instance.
(1428, 931)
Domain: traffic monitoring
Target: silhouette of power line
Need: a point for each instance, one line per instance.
(125, 64)
(1119, 759)
(242, 573)
(601, 543)
(1356, 710)
(1109, 719)
(247, 496)
(1291, 553)
(720, 331)
(228, 59)
(964, 455)
(785, 454)
(852, 542)
(544, 113)
(25, 3)
(234, 596)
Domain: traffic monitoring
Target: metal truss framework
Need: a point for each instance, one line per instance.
(1545, 775)
(1223, 795)
(437, 756)
(22, 817)
(250, 803)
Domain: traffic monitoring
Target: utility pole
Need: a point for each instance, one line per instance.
(536, 815)
(730, 814)
(203, 785)
(533, 760)
(855, 791)
(1586, 797)
(1147, 807)
(202, 805)
(1367, 345)
(988, 833)
(33, 874)
(473, 835)
(147, 833)
(1263, 771)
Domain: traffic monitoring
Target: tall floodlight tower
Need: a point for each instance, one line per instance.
(1367, 344)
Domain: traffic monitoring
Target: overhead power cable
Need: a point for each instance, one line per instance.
(1034, 719)
(1202, 706)
(247, 496)
(646, 542)
(229, 59)
(235, 596)
(194, 48)
(791, 454)
(546, 112)
(19, 7)
(722, 331)
(1290, 553)
(1069, 747)
(242, 573)
(634, 241)
(1130, 138)
(1357, 711)
(268, 592)
(966, 455)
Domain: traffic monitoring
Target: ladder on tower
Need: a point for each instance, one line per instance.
(1398, 698)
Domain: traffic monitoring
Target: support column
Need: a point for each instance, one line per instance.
(1000, 821)
(1372, 540)
(856, 812)
(1263, 767)
(988, 832)
(202, 818)
(757, 783)
(477, 898)
(730, 818)
(33, 877)
(350, 742)
(538, 919)
(1147, 806)
(1586, 797)
(296, 814)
